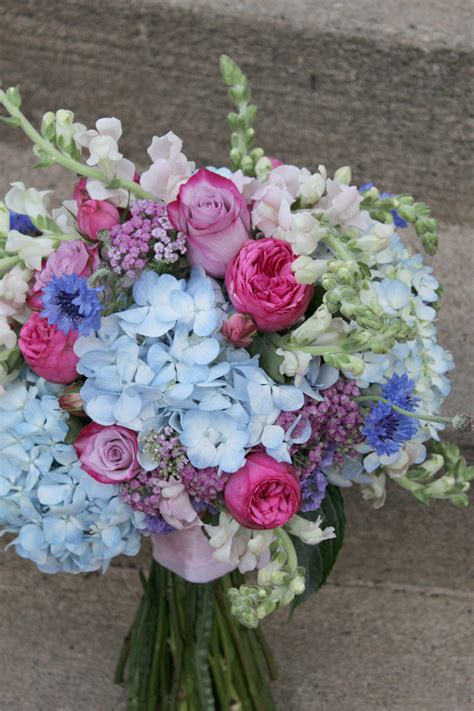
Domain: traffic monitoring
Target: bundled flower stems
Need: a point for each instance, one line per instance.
(208, 357)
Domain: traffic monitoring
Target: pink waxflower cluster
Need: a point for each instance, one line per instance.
(335, 427)
(143, 492)
(147, 236)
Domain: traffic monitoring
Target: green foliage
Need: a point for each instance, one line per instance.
(445, 475)
(318, 560)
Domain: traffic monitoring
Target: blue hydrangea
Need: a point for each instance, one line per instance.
(166, 357)
(71, 305)
(63, 519)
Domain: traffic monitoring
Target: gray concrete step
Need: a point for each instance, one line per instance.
(385, 86)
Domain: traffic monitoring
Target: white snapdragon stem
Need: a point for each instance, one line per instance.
(66, 161)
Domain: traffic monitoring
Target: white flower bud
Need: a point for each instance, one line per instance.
(313, 327)
(312, 187)
(307, 270)
(343, 175)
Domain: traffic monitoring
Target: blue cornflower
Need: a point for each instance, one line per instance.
(399, 390)
(397, 220)
(23, 224)
(71, 305)
(386, 430)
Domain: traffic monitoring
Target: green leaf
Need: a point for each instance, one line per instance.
(269, 360)
(75, 424)
(319, 560)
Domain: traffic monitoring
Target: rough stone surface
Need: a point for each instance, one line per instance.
(392, 629)
(385, 87)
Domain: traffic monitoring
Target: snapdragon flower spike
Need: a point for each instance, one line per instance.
(71, 305)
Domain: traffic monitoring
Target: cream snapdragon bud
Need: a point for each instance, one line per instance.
(48, 125)
(307, 270)
(295, 364)
(313, 327)
(343, 175)
(305, 233)
(262, 167)
(312, 186)
(377, 239)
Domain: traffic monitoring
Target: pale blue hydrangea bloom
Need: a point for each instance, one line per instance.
(64, 519)
(134, 375)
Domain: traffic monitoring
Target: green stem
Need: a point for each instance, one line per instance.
(63, 159)
(6, 263)
(339, 248)
(402, 411)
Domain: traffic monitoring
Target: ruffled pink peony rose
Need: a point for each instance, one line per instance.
(213, 215)
(70, 258)
(260, 282)
(264, 493)
(96, 215)
(47, 351)
(238, 329)
(108, 454)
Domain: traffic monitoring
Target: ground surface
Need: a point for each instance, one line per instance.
(386, 87)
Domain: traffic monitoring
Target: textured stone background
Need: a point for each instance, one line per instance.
(386, 87)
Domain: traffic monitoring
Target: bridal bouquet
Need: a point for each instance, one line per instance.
(208, 358)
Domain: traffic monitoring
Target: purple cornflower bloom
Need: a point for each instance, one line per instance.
(386, 430)
(399, 390)
(146, 237)
(71, 305)
(23, 224)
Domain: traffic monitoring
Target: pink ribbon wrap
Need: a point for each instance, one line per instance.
(188, 553)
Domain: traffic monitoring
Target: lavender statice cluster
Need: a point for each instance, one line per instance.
(145, 237)
(335, 427)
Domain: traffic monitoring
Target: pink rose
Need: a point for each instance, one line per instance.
(70, 258)
(264, 493)
(238, 329)
(70, 400)
(260, 282)
(47, 351)
(213, 215)
(80, 193)
(108, 454)
(96, 215)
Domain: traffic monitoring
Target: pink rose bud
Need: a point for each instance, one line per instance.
(96, 215)
(108, 454)
(80, 193)
(239, 329)
(264, 493)
(260, 282)
(71, 401)
(73, 257)
(275, 162)
(48, 352)
(214, 217)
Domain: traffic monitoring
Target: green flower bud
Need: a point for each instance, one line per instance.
(343, 175)
(462, 423)
(48, 125)
(247, 165)
(14, 96)
(263, 166)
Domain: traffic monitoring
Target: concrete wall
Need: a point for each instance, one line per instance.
(385, 86)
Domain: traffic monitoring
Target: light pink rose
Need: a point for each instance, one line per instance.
(108, 454)
(176, 507)
(48, 352)
(80, 193)
(264, 493)
(70, 258)
(238, 329)
(273, 200)
(213, 215)
(169, 169)
(96, 215)
(260, 282)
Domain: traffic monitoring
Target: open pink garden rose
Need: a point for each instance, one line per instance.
(48, 351)
(260, 282)
(264, 493)
(213, 215)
